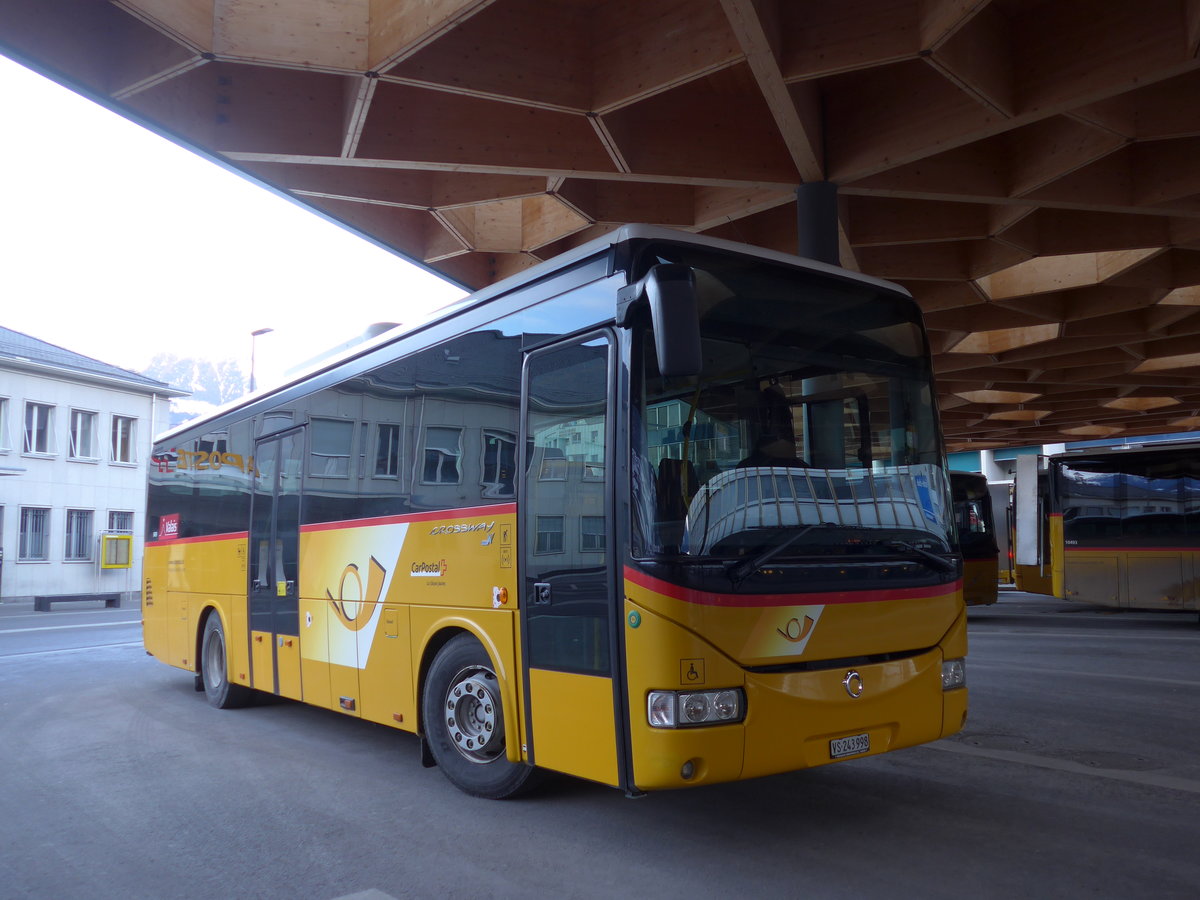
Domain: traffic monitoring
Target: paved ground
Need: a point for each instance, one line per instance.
(1077, 775)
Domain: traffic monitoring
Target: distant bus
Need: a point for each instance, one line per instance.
(664, 511)
(1118, 527)
(976, 537)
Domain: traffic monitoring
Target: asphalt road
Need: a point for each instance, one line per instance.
(1077, 775)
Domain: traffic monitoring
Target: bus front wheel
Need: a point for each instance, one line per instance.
(214, 669)
(463, 720)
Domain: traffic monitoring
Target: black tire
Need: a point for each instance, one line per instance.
(463, 720)
(214, 669)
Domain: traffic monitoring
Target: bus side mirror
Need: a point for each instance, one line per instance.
(669, 290)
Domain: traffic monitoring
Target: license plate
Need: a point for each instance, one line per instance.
(849, 746)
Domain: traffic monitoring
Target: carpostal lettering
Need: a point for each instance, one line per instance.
(204, 461)
(462, 527)
(428, 570)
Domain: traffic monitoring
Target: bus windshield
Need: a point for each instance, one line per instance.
(810, 431)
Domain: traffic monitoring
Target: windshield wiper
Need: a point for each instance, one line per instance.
(919, 554)
(742, 569)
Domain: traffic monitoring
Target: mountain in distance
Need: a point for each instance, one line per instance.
(212, 383)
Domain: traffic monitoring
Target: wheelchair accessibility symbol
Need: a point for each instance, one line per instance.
(691, 671)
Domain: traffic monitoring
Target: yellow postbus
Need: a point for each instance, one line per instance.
(664, 511)
(1114, 527)
(976, 537)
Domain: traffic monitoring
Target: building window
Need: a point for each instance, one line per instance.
(39, 428)
(387, 451)
(4, 444)
(330, 454)
(549, 534)
(83, 434)
(35, 534)
(591, 532)
(442, 452)
(120, 520)
(554, 465)
(499, 463)
(79, 535)
(123, 439)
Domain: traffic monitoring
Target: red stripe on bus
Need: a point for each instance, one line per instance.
(200, 539)
(470, 512)
(706, 598)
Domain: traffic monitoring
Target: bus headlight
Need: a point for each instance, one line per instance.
(680, 709)
(954, 674)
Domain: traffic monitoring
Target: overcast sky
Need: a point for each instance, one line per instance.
(118, 244)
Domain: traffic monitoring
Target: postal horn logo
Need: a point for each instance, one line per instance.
(429, 569)
(796, 630)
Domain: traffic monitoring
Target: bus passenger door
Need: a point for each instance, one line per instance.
(274, 565)
(565, 545)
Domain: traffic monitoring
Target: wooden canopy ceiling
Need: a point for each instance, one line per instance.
(1029, 169)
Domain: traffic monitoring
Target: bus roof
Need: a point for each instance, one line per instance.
(1176, 446)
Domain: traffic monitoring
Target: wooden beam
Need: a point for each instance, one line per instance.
(610, 142)
(705, 128)
(889, 117)
(414, 124)
(489, 168)
(1046, 151)
(881, 118)
(978, 57)
(940, 20)
(357, 102)
(756, 27)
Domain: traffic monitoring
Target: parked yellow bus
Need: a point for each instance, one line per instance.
(976, 537)
(664, 511)
(1114, 527)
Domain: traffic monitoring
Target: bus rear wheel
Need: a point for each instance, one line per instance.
(462, 716)
(214, 669)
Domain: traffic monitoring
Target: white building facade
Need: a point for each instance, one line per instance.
(75, 438)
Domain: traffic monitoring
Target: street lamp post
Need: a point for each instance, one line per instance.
(253, 341)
